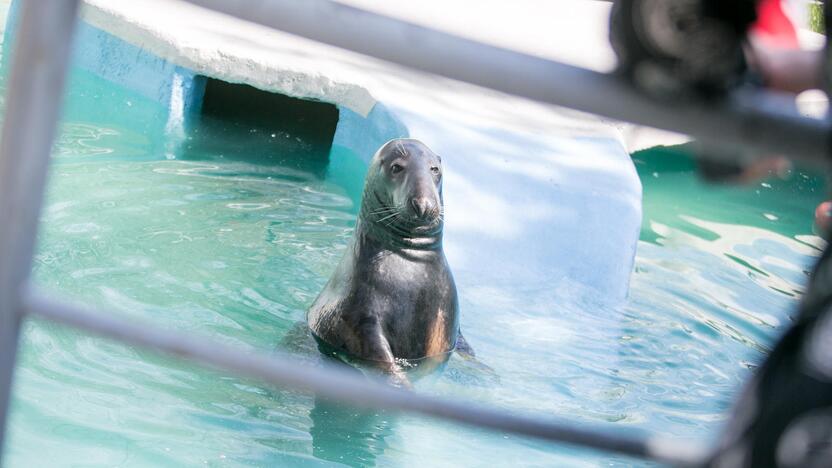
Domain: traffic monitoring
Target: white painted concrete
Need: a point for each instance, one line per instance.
(222, 47)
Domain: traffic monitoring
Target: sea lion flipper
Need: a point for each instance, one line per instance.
(299, 340)
(466, 352)
(376, 349)
(463, 348)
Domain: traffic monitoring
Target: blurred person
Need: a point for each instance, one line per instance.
(774, 52)
(783, 417)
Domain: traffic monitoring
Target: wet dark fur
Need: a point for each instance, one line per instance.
(392, 296)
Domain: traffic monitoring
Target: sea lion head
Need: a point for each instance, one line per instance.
(403, 190)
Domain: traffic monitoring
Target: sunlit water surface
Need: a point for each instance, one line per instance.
(233, 238)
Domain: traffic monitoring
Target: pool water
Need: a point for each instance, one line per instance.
(232, 234)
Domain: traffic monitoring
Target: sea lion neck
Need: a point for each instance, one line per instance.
(383, 225)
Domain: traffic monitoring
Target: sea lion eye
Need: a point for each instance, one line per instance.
(434, 169)
(396, 168)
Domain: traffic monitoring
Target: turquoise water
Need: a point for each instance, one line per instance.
(233, 238)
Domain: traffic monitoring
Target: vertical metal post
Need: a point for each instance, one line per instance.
(33, 98)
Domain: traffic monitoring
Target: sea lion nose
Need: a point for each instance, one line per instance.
(422, 206)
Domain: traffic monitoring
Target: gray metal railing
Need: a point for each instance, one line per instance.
(33, 100)
(34, 95)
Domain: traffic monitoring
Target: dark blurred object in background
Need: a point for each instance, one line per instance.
(681, 48)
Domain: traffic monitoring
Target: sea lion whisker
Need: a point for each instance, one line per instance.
(383, 211)
(382, 206)
(388, 216)
(393, 217)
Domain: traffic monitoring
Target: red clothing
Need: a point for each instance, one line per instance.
(774, 26)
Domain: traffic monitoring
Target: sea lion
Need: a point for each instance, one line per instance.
(392, 298)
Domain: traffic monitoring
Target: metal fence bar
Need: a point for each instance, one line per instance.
(33, 99)
(764, 121)
(336, 384)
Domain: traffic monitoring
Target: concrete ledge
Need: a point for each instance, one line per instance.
(228, 49)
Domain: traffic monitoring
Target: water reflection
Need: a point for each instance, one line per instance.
(354, 437)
